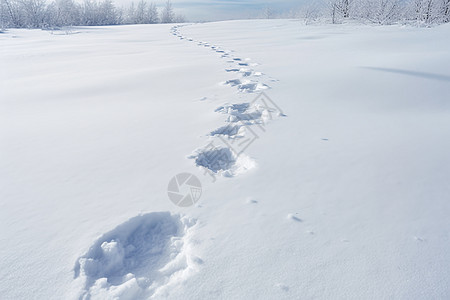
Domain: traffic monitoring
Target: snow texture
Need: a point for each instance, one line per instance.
(345, 198)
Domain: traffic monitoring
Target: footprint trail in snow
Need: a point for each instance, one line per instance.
(244, 122)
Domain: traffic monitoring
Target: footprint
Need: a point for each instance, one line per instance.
(144, 257)
(218, 159)
(282, 287)
(251, 87)
(230, 108)
(233, 82)
(294, 218)
(222, 161)
(231, 131)
(242, 112)
(232, 70)
(246, 72)
(247, 86)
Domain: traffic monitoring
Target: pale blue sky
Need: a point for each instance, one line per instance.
(210, 10)
(228, 9)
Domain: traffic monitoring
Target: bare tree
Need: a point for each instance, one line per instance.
(59, 13)
(334, 12)
(140, 13)
(67, 13)
(152, 14)
(311, 13)
(13, 15)
(2, 16)
(107, 13)
(34, 11)
(445, 11)
(340, 9)
(382, 12)
(168, 15)
(428, 17)
(89, 13)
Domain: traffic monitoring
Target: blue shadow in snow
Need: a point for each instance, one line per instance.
(411, 73)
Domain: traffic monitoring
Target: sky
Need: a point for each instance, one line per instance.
(210, 10)
(213, 10)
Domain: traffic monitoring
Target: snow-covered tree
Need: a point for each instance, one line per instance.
(34, 12)
(444, 11)
(168, 15)
(67, 13)
(89, 13)
(380, 11)
(428, 11)
(107, 13)
(59, 13)
(152, 14)
(140, 12)
(343, 7)
(10, 13)
(311, 12)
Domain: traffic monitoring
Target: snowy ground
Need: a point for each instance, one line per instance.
(345, 194)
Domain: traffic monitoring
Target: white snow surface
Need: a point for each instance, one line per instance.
(343, 195)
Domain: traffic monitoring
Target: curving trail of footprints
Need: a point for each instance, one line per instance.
(243, 119)
(149, 255)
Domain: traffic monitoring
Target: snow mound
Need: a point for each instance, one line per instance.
(140, 258)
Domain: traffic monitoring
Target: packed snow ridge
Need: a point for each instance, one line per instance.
(140, 258)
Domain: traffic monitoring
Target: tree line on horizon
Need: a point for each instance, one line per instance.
(383, 12)
(62, 13)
